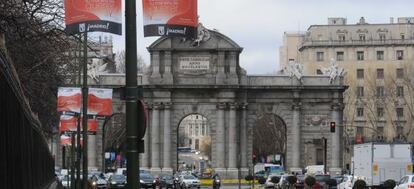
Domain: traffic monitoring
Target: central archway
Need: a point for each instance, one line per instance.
(269, 139)
(193, 144)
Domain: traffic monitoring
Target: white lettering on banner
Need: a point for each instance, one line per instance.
(194, 63)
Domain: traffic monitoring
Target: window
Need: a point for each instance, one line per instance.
(400, 112)
(382, 36)
(360, 73)
(362, 37)
(400, 130)
(380, 112)
(380, 73)
(360, 112)
(400, 73)
(360, 55)
(400, 55)
(319, 56)
(319, 72)
(400, 91)
(360, 131)
(340, 56)
(360, 91)
(291, 59)
(402, 36)
(380, 55)
(380, 91)
(341, 37)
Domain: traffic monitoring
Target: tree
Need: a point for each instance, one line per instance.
(120, 63)
(38, 46)
(269, 127)
(205, 146)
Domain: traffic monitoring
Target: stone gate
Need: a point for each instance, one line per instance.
(186, 78)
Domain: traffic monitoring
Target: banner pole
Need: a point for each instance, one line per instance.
(85, 112)
(78, 130)
(131, 95)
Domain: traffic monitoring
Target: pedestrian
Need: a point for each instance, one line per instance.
(310, 183)
(359, 184)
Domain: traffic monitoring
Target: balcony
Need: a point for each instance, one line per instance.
(339, 43)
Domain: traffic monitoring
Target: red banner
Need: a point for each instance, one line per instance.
(170, 18)
(69, 99)
(93, 15)
(100, 102)
(68, 124)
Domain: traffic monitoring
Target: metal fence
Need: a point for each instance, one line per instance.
(25, 159)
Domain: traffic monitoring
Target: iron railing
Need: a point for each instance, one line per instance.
(25, 159)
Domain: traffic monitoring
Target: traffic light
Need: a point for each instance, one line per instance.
(332, 125)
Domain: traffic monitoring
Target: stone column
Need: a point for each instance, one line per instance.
(336, 138)
(233, 155)
(92, 151)
(220, 139)
(167, 139)
(296, 152)
(155, 139)
(243, 139)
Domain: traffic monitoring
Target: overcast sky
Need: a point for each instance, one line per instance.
(258, 25)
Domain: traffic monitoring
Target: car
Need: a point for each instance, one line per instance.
(98, 181)
(166, 181)
(147, 181)
(300, 182)
(282, 182)
(269, 183)
(260, 174)
(347, 182)
(117, 181)
(65, 181)
(189, 181)
(322, 179)
(406, 182)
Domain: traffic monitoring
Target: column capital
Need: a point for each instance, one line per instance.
(156, 106)
(296, 105)
(233, 105)
(337, 106)
(167, 105)
(243, 106)
(221, 105)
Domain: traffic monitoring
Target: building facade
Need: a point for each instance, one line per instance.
(378, 59)
(194, 131)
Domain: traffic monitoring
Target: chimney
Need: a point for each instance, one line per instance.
(391, 20)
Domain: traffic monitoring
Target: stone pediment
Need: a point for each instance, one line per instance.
(216, 41)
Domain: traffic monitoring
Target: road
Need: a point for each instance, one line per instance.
(231, 187)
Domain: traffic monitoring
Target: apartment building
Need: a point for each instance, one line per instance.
(378, 59)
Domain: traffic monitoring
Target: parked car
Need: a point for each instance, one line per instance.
(147, 181)
(117, 181)
(269, 183)
(166, 181)
(189, 181)
(406, 182)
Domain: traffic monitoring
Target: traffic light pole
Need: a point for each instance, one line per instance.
(131, 95)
